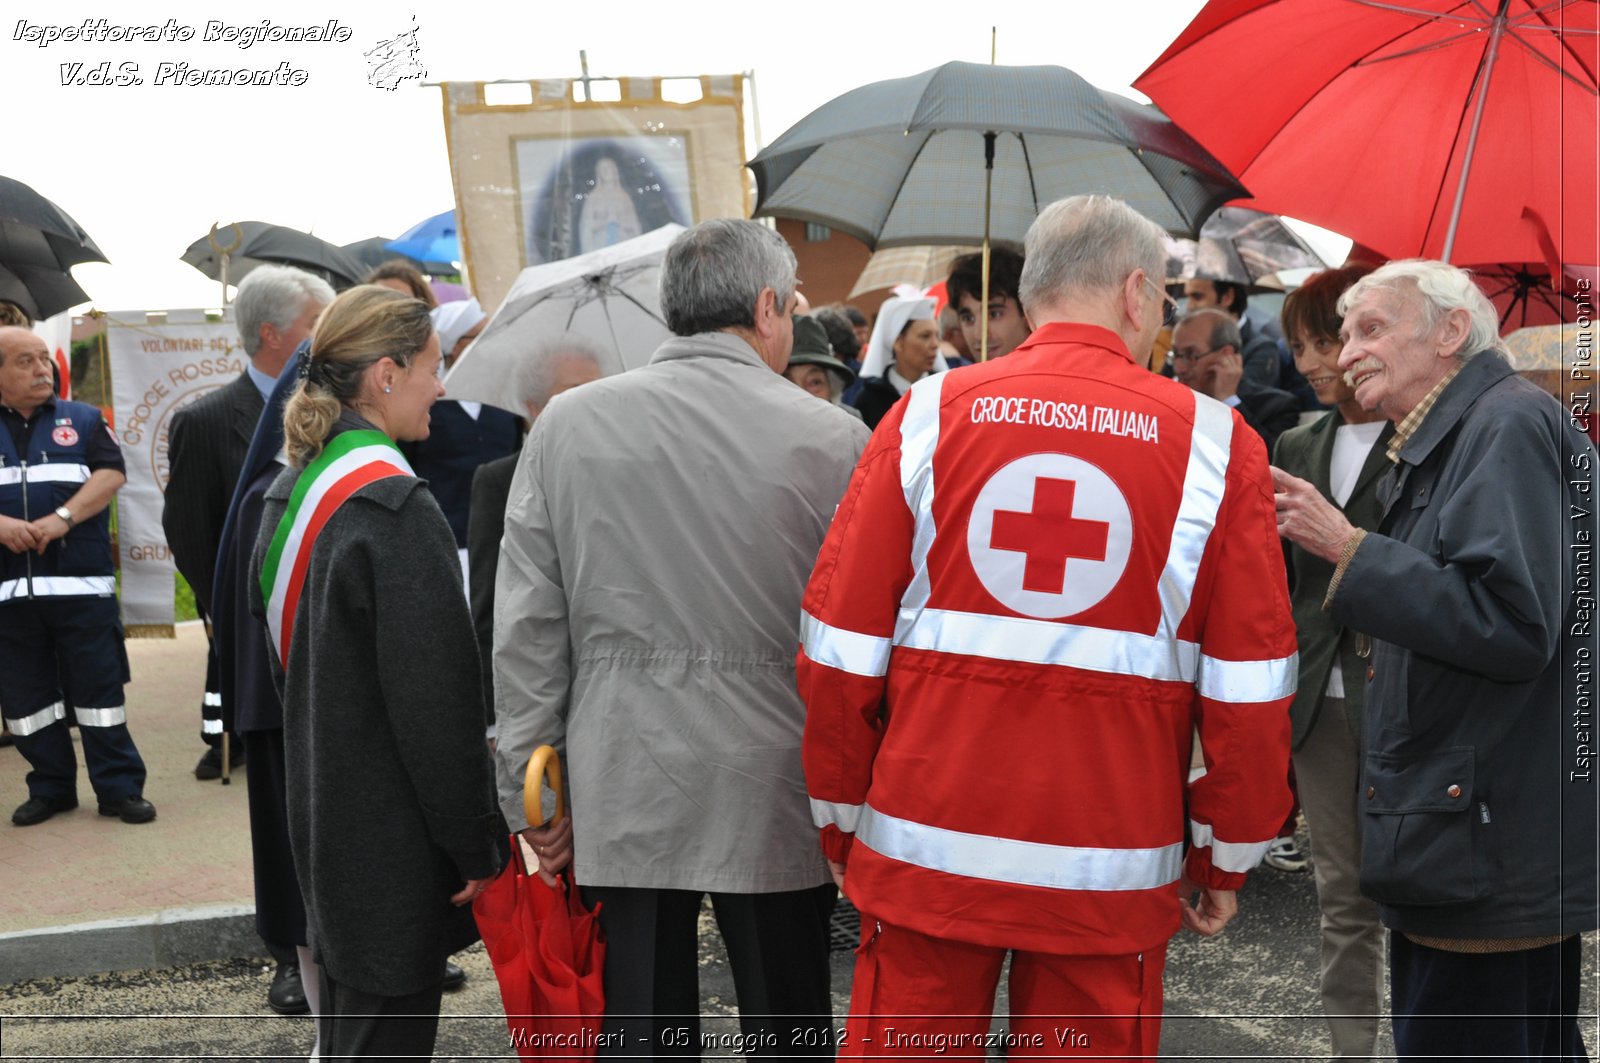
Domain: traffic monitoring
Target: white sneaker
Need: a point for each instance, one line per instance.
(1285, 855)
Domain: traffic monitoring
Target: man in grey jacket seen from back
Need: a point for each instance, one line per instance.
(660, 530)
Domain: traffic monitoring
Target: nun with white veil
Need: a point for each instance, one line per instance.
(903, 349)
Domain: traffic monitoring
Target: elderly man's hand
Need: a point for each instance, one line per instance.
(18, 536)
(1309, 520)
(552, 845)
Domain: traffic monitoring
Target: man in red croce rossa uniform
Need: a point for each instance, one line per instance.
(1049, 573)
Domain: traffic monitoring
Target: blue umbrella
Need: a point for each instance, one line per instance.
(433, 241)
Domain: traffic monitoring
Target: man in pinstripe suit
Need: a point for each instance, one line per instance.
(275, 308)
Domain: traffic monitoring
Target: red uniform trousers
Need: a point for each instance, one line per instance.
(916, 996)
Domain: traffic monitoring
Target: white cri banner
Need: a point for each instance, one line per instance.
(159, 363)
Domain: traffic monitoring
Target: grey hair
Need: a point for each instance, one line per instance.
(1224, 329)
(1088, 243)
(274, 295)
(538, 371)
(714, 274)
(1436, 289)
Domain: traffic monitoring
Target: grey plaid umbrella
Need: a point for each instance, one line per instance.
(902, 162)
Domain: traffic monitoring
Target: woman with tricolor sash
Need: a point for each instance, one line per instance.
(391, 807)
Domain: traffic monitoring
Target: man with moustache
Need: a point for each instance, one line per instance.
(59, 468)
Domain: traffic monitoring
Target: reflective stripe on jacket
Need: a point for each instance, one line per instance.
(1046, 573)
(32, 486)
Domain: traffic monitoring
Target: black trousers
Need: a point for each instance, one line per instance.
(357, 1024)
(86, 634)
(1518, 1005)
(777, 948)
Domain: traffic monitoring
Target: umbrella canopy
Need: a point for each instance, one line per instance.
(1455, 129)
(921, 267)
(42, 293)
(1524, 295)
(249, 244)
(547, 950)
(374, 252)
(1552, 349)
(902, 162)
(1243, 246)
(607, 297)
(39, 243)
(433, 240)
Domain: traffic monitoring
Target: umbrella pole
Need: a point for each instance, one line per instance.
(1477, 119)
(222, 271)
(988, 190)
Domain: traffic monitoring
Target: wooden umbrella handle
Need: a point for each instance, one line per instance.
(545, 764)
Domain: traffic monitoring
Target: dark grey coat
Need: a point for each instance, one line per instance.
(1308, 453)
(1478, 786)
(391, 804)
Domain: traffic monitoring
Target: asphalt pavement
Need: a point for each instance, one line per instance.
(134, 942)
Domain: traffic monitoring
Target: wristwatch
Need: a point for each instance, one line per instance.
(66, 514)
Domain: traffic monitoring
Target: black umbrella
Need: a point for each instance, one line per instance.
(39, 243)
(963, 152)
(374, 252)
(248, 244)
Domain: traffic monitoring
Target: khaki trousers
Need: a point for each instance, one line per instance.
(1328, 768)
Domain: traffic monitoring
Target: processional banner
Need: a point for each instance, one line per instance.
(548, 179)
(159, 364)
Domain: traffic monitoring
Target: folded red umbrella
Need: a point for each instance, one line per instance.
(547, 950)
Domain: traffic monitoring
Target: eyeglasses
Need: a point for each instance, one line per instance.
(1162, 292)
(1189, 355)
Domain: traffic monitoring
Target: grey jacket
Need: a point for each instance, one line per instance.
(1308, 453)
(661, 527)
(390, 803)
(1478, 785)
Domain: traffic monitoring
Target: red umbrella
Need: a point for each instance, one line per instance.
(1455, 129)
(547, 949)
(1524, 297)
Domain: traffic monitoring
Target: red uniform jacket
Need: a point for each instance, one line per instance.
(1046, 572)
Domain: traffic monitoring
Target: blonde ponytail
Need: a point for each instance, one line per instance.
(361, 326)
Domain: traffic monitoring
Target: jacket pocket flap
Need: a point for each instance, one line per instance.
(1440, 782)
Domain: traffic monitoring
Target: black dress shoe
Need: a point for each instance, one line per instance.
(287, 996)
(38, 809)
(454, 977)
(129, 810)
(210, 765)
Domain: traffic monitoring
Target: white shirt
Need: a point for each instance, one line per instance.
(1351, 445)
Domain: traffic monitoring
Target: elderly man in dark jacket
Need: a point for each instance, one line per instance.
(1477, 796)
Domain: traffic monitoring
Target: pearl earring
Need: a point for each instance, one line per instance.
(387, 390)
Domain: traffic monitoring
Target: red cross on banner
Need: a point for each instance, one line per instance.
(1049, 536)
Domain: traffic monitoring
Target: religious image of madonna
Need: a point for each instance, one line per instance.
(581, 195)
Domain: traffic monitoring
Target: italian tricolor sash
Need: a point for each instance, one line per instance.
(349, 462)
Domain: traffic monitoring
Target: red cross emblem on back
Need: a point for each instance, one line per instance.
(1049, 536)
